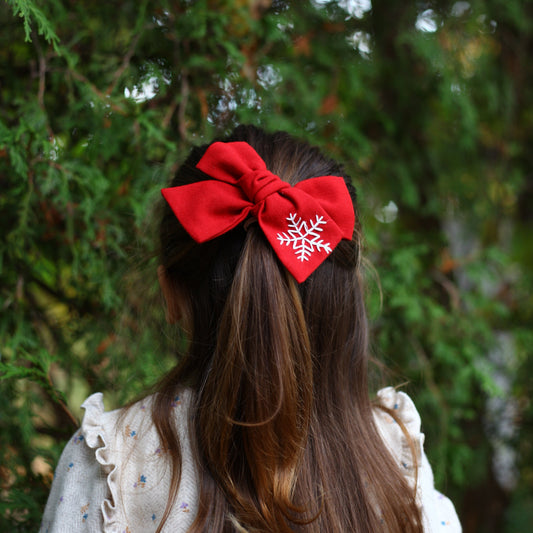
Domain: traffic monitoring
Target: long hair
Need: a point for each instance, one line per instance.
(281, 423)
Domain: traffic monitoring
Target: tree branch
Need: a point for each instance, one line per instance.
(183, 105)
(124, 65)
(42, 78)
(102, 96)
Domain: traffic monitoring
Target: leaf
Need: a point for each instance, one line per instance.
(29, 12)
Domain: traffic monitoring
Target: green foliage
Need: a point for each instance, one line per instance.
(30, 13)
(430, 107)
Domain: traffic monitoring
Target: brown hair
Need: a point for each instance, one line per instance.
(281, 423)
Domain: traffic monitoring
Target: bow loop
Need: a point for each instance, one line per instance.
(303, 223)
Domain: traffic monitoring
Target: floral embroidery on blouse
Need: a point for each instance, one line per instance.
(184, 507)
(84, 512)
(78, 438)
(130, 432)
(141, 481)
(176, 401)
(160, 451)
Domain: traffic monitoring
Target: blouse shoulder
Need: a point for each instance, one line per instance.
(438, 512)
(393, 433)
(124, 456)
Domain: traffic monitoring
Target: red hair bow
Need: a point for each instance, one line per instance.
(303, 223)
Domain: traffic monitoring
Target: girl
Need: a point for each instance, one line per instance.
(266, 424)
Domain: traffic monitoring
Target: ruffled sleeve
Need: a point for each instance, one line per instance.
(114, 475)
(80, 482)
(438, 513)
(99, 429)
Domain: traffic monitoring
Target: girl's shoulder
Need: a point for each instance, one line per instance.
(126, 472)
(400, 427)
(127, 444)
(394, 406)
(128, 425)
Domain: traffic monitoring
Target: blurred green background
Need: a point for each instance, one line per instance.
(429, 105)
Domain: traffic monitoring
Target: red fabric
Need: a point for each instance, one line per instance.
(303, 223)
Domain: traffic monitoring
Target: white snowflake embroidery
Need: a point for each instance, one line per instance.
(304, 236)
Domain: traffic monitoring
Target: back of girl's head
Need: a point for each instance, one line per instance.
(281, 421)
(204, 273)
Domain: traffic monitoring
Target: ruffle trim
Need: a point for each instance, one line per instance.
(96, 438)
(395, 438)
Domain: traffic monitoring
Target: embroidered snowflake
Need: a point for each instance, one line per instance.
(304, 236)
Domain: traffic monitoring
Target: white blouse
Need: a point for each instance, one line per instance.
(113, 475)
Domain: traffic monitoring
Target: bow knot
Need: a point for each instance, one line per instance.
(259, 184)
(303, 224)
